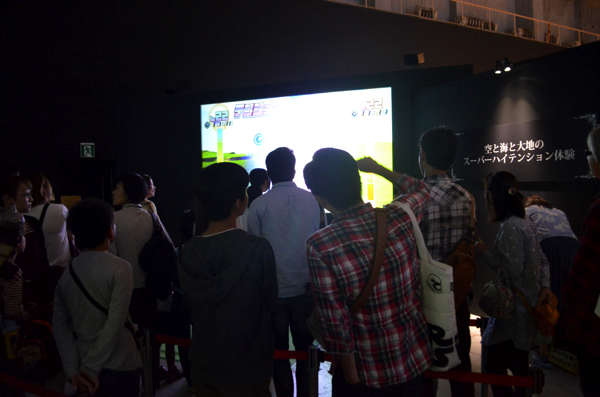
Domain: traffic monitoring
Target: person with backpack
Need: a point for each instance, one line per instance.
(53, 221)
(91, 305)
(135, 228)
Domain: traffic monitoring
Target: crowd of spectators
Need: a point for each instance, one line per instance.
(259, 262)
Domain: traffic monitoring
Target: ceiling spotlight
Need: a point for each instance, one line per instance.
(506, 65)
(498, 67)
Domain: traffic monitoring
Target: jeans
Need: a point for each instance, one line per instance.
(414, 387)
(254, 390)
(502, 356)
(292, 314)
(118, 383)
(463, 389)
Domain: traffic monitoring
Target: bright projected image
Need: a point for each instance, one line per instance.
(359, 122)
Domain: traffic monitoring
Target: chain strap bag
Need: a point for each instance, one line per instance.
(497, 299)
(437, 303)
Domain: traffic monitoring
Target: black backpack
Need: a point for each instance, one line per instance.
(159, 260)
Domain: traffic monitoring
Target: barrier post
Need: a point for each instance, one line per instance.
(313, 371)
(482, 326)
(538, 380)
(147, 362)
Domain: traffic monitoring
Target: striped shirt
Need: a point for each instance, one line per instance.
(389, 333)
(447, 217)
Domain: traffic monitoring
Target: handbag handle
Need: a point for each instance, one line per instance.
(423, 251)
(380, 244)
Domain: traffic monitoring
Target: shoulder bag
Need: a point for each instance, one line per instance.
(437, 302)
(497, 299)
(314, 324)
(545, 316)
(463, 262)
(131, 327)
(158, 260)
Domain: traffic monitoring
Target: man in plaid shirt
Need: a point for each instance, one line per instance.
(384, 347)
(446, 221)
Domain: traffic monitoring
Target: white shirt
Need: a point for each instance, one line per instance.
(55, 233)
(134, 230)
(286, 216)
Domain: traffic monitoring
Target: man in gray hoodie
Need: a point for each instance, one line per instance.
(229, 278)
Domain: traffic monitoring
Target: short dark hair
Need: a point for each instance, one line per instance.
(505, 195)
(217, 189)
(258, 176)
(90, 221)
(440, 144)
(333, 175)
(281, 165)
(135, 187)
(186, 224)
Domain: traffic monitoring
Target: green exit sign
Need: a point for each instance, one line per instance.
(87, 150)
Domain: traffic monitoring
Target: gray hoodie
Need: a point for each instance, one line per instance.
(230, 282)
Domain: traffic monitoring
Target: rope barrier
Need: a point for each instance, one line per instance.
(469, 377)
(490, 379)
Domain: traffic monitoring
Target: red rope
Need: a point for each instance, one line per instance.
(474, 377)
(28, 387)
(170, 340)
(470, 377)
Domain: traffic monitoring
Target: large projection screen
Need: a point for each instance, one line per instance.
(358, 121)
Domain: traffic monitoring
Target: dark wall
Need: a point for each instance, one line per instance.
(72, 70)
(67, 65)
(555, 87)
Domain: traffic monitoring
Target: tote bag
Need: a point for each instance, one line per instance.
(437, 303)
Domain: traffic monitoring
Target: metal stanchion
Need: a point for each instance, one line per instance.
(482, 325)
(147, 361)
(538, 381)
(313, 371)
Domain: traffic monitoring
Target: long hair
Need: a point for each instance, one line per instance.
(502, 192)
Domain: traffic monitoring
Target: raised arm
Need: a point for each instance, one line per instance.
(368, 164)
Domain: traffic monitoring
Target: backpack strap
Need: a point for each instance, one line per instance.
(43, 215)
(380, 244)
(85, 292)
(128, 323)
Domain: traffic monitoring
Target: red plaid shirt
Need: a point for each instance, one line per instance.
(389, 334)
(582, 288)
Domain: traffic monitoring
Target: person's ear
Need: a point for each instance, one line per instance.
(324, 203)
(239, 207)
(423, 157)
(112, 233)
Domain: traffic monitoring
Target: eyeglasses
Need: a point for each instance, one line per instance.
(25, 194)
(587, 153)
